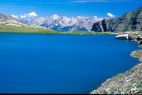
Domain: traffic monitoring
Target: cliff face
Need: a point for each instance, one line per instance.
(131, 21)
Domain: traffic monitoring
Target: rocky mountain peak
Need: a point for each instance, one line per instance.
(131, 21)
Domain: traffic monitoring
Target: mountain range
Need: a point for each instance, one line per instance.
(131, 21)
(9, 24)
(128, 22)
(63, 23)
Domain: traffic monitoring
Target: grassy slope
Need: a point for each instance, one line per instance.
(87, 33)
(138, 54)
(17, 27)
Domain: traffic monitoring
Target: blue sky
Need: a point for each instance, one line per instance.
(70, 8)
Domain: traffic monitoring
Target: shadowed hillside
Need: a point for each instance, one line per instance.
(131, 21)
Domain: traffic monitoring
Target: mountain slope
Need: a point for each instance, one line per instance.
(131, 21)
(7, 17)
(10, 26)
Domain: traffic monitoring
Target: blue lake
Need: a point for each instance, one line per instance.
(31, 63)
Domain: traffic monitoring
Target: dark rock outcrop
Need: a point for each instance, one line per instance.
(140, 43)
(139, 38)
(131, 21)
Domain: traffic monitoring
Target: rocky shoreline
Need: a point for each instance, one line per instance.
(129, 82)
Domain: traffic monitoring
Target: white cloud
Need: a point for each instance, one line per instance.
(110, 15)
(16, 16)
(32, 14)
(55, 16)
(27, 15)
(23, 16)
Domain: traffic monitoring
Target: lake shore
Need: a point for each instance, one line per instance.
(63, 33)
(129, 82)
(52, 62)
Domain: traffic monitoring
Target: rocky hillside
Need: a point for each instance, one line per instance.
(129, 82)
(131, 21)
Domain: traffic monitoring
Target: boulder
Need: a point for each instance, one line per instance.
(123, 37)
(140, 43)
(139, 38)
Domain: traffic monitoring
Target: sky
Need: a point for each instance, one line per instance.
(69, 8)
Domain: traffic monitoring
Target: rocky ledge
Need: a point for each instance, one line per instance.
(132, 36)
(129, 82)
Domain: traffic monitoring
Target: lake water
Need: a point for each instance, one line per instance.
(31, 63)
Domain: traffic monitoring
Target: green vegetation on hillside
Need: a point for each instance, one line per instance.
(87, 33)
(137, 54)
